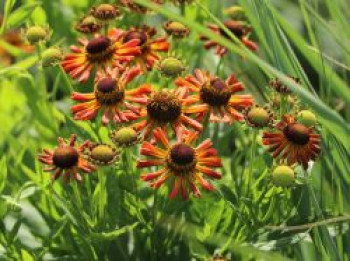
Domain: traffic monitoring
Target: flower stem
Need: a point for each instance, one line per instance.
(251, 162)
(101, 207)
(154, 223)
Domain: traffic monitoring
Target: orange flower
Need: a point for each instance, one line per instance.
(68, 159)
(148, 44)
(237, 28)
(101, 52)
(182, 163)
(208, 94)
(165, 108)
(293, 141)
(111, 97)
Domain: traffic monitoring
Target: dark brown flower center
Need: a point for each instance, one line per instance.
(297, 133)
(65, 157)
(182, 154)
(132, 35)
(108, 92)
(235, 27)
(98, 45)
(164, 107)
(216, 93)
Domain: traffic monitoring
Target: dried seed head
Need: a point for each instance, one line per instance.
(297, 133)
(280, 87)
(238, 28)
(65, 157)
(307, 118)
(103, 154)
(283, 176)
(36, 34)
(105, 12)
(125, 137)
(88, 25)
(51, 56)
(98, 45)
(171, 66)
(164, 107)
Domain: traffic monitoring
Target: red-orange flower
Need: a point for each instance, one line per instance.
(67, 159)
(182, 163)
(100, 52)
(149, 45)
(237, 28)
(111, 97)
(293, 142)
(165, 108)
(209, 94)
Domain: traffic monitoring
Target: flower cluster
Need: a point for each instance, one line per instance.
(167, 119)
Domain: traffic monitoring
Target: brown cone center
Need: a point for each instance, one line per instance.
(98, 45)
(297, 133)
(182, 154)
(108, 92)
(65, 157)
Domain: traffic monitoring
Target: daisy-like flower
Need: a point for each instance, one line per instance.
(181, 163)
(149, 45)
(111, 97)
(206, 93)
(237, 28)
(67, 159)
(137, 7)
(100, 52)
(165, 108)
(293, 142)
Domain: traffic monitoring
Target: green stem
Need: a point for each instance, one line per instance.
(154, 224)
(102, 180)
(251, 163)
(77, 195)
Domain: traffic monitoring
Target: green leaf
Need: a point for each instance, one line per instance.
(108, 236)
(3, 173)
(21, 14)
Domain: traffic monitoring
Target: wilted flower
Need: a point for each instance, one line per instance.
(176, 29)
(105, 13)
(237, 28)
(149, 45)
(293, 141)
(182, 163)
(209, 94)
(112, 98)
(165, 108)
(67, 159)
(101, 52)
(280, 87)
(137, 7)
(88, 25)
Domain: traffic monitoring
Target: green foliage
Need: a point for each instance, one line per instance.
(112, 213)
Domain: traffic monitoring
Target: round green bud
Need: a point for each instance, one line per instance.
(51, 56)
(307, 118)
(283, 176)
(36, 34)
